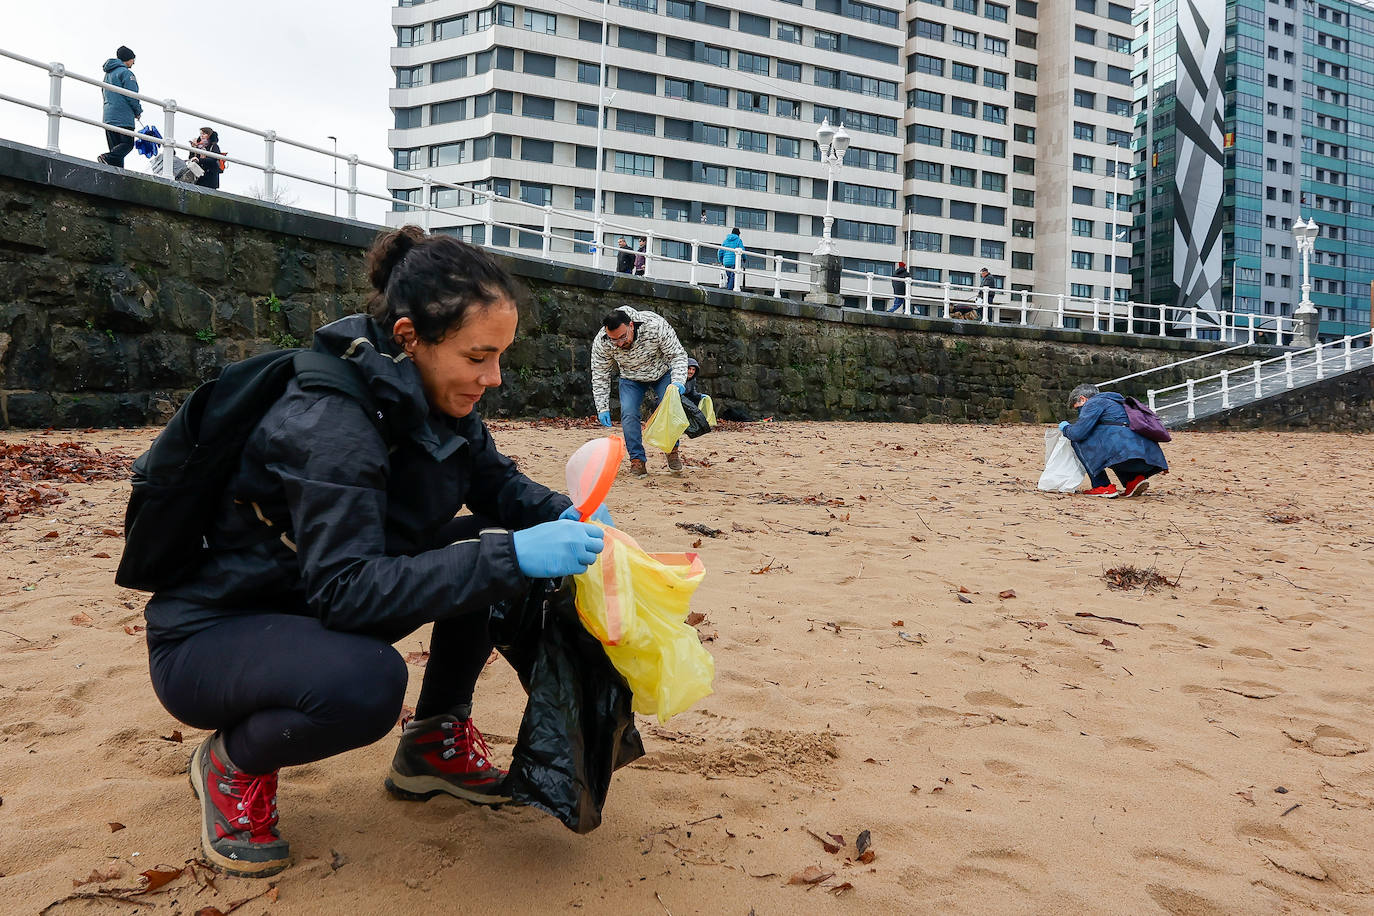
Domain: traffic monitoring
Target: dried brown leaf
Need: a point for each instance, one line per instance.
(811, 874)
(175, 737)
(131, 629)
(160, 877)
(866, 856)
(50, 535)
(108, 872)
(825, 844)
(965, 599)
(83, 620)
(100, 556)
(1007, 593)
(840, 889)
(696, 543)
(899, 623)
(863, 841)
(115, 826)
(1109, 644)
(694, 618)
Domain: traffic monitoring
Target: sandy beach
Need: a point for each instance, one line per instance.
(910, 641)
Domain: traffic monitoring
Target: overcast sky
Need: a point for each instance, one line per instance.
(304, 69)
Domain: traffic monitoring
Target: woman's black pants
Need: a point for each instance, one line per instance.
(285, 690)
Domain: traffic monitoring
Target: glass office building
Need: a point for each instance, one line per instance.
(1249, 116)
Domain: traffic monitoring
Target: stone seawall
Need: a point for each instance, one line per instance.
(120, 292)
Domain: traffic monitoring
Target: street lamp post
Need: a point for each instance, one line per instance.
(336, 173)
(1305, 234)
(601, 101)
(833, 144)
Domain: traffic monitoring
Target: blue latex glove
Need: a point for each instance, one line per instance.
(604, 418)
(554, 549)
(602, 515)
(681, 389)
(1063, 425)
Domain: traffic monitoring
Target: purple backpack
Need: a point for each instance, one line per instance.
(1145, 421)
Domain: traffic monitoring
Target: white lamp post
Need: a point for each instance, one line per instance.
(833, 145)
(1305, 234)
(601, 101)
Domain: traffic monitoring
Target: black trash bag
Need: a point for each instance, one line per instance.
(578, 727)
(696, 420)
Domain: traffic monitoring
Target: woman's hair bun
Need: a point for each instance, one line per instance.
(387, 252)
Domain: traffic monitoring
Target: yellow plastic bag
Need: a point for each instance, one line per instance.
(668, 423)
(708, 409)
(635, 603)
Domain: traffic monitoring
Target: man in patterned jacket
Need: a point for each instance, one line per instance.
(646, 350)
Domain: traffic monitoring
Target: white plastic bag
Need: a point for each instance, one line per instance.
(1063, 473)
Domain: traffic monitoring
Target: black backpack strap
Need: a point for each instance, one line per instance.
(322, 372)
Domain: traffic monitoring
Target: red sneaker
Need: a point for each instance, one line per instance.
(238, 830)
(1136, 487)
(445, 753)
(1109, 491)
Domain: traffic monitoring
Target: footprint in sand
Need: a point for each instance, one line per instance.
(992, 698)
(1326, 740)
(1253, 690)
(1245, 652)
(1138, 744)
(1281, 850)
(1002, 767)
(1180, 902)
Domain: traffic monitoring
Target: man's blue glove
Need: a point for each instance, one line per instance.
(554, 549)
(681, 389)
(602, 515)
(1063, 425)
(604, 418)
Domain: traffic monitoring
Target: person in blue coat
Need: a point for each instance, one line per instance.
(726, 254)
(1102, 438)
(119, 110)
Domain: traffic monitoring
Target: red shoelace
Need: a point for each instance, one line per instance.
(257, 797)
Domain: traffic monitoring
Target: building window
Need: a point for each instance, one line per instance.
(994, 181)
(789, 185)
(634, 205)
(1118, 106)
(787, 146)
(409, 77)
(586, 115)
(994, 79)
(634, 164)
(1081, 260)
(445, 112)
(1118, 43)
(927, 241)
(789, 32)
(995, 11)
(994, 147)
(1083, 227)
(787, 70)
(410, 36)
(931, 136)
(964, 38)
(994, 216)
(996, 46)
(963, 73)
(533, 106)
(1081, 290)
(713, 174)
(1083, 196)
(532, 150)
(995, 114)
(1083, 163)
(1020, 197)
(715, 95)
(962, 177)
(536, 21)
(964, 108)
(1084, 67)
(714, 134)
(636, 122)
(922, 63)
(446, 154)
(1085, 35)
(749, 219)
(924, 28)
(751, 101)
(751, 140)
(677, 89)
(588, 73)
(964, 143)
(1021, 260)
(635, 40)
(826, 41)
(754, 63)
(718, 57)
(787, 108)
(991, 250)
(924, 170)
(540, 195)
(922, 98)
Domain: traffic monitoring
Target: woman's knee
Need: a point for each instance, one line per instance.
(364, 689)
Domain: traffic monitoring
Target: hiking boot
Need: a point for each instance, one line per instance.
(102, 160)
(446, 754)
(238, 824)
(675, 461)
(1109, 491)
(637, 468)
(1136, 487)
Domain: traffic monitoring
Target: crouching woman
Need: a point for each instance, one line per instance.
(337, 536)
(1102, 438)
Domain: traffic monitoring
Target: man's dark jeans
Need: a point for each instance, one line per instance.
(120, 146)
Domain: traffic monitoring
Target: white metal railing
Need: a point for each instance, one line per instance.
(779, 275)
(1173, 365)
(1337, 355)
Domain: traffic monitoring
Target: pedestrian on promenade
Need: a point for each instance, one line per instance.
(208, 140)
(899, 286)
(119, 110)
(625, 257)
(646, 351)
(1102, 438)
(730, 251)
(336, 536)
(640, 262)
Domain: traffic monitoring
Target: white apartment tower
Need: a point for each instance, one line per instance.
(975, 138)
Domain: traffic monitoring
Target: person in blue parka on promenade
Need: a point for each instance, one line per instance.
(119, 110)
(1102, 438)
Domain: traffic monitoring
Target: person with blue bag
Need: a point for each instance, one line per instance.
(119, 110)
(338, 534)
(1102, 438)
